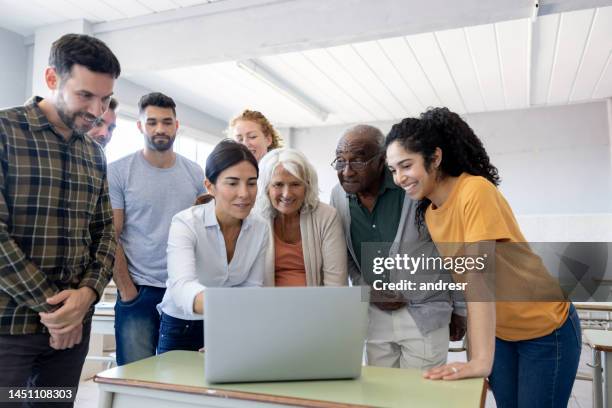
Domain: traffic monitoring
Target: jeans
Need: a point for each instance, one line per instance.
(27, 360)
(179, 334)
(137, 325)
(538, 372)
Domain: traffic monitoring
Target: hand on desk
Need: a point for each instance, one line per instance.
(74, 306)
(387, 300)
(456, 371)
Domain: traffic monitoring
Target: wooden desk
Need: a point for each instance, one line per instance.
(103, 320)
(102, 324)
(177, 379)
(601, 343)
(595, 315)
(594, 306)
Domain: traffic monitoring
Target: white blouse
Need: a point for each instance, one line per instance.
(197, 258)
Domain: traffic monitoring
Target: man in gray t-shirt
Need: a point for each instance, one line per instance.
(147, 189)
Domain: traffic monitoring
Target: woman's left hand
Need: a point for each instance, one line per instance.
(456, 371)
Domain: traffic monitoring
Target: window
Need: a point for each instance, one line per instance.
(193, 149)
(126, 140)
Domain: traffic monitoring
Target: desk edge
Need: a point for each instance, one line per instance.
(221, 393)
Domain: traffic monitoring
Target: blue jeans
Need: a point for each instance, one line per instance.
(137, 325)
(179, 334)
(538, 372)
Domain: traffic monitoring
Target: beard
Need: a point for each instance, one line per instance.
(69, 117)
(160, 143)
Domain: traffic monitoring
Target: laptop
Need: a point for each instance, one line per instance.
(283, 334)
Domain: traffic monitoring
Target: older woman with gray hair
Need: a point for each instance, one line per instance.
(307, 247)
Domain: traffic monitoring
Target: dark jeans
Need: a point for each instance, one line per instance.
(179, 334)
(538, 372)
(28, 361)
(137, 325)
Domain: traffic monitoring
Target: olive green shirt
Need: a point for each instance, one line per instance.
(381, 224)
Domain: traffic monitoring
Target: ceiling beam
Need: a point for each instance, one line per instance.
(560, 6)
(262, 73)
(244, 29)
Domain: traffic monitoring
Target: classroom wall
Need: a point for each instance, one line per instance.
(555, 165)
(13, 69)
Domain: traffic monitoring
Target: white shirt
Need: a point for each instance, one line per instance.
(197, 258)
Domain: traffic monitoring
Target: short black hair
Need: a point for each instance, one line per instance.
(156, 99)
(85, 50)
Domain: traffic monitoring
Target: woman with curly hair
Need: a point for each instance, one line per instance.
(254, 130)
(527, 339)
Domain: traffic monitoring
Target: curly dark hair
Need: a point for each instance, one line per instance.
(462, 150)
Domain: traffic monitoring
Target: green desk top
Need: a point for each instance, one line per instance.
(379, 387)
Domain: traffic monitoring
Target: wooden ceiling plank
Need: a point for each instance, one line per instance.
(573, 34)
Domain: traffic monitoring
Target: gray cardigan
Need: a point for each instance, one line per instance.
(430, 310)
(323, 246)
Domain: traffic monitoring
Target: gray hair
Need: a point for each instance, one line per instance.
(370, 131)
(298, 166)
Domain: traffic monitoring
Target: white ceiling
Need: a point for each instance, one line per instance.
(559, 59)
(25, 16)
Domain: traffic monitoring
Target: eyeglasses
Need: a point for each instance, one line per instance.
(340, 164)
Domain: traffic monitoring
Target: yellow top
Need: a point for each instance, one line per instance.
(476, 211)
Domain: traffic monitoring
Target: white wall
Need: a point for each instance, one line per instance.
(551, 160)
(13, 69)
(555, 164)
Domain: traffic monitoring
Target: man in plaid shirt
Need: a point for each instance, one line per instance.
(56, 234)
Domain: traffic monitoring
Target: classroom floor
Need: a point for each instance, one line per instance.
(87, 396)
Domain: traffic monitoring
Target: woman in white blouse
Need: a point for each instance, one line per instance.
(215, 244)
(307, 245)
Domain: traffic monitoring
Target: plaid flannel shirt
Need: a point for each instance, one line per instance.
(56, 229)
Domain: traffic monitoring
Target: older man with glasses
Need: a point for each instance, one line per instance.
(406, 329)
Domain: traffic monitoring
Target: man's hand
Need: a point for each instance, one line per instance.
(457, 327)
(74, 306)
(387, 300)
(128, 293)
(65, 341)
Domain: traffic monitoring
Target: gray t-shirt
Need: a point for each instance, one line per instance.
(150, 197)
